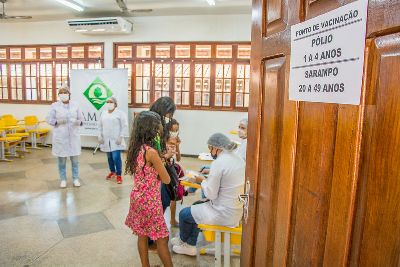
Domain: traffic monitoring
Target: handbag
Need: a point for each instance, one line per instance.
(172, 187)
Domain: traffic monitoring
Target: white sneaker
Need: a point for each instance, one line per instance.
(176, 241)
(63, 184)
(185, 249)
(77, 183)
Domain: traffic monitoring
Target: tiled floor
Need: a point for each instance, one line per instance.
(42, 225)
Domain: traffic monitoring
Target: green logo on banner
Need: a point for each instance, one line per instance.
(97, 93)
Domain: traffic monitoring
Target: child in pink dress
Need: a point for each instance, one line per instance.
(145, 216)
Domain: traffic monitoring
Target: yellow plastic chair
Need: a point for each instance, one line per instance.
(10, 119)
(12, 124)
(7, 143)
(32, 127)
(221, 234)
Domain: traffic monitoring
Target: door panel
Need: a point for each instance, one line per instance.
(276, 16)
(274, 88)
(313, 174)
(380, 198)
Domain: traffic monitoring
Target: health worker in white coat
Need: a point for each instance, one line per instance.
(222, 188)
(66, 118)
(112, 125)
(242, 132)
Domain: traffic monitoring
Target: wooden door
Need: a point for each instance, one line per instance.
(325, 178)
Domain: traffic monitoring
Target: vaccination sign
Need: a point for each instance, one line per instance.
(327, 56)
(91, 89)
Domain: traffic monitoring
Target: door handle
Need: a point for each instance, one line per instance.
(244, 199)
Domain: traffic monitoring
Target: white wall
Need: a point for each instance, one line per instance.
(196, 126)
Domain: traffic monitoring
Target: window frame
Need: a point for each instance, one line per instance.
(192, 60)
(69, 60)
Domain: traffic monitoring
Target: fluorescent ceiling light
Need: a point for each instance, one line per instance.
(71, 4)
(81, 30)
(98, 30)
(211, 2)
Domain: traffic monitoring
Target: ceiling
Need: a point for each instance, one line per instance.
(44, 10)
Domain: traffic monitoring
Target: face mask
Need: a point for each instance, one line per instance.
(173, 134)
(214, 156)
(110, 106)
(64, 97)
(167, 120)
(242, 134)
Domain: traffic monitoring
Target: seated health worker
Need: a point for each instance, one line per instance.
(222, 187)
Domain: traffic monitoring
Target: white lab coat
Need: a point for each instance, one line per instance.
(222, 187)
(241, 150)
(111, 127)
(66, 138)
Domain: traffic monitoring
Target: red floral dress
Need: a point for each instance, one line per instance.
(145, 216)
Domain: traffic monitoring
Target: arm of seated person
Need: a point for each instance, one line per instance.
(205, 171)
(212, 184)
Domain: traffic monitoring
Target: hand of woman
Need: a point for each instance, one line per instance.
(200, 179)
(168, 155)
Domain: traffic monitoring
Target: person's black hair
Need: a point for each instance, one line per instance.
(146, 126)
(171, 123)
(163, 106)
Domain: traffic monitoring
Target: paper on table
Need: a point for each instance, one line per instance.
(190, 176)
(205, 156)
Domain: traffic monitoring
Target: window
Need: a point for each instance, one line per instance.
(94, 66)
(244, 51)
(223, 85)
(182, 84)
(142, 84)
(162, 51)
(242, 85)
(143, 51)
(62, 74)
(196, 75)
(30, 53)
(78, 52)
(182, 51)
(46, 53)
(62, 52)
(128, 66)
(31, 81)
(202, 85)
(95, 51)
(16, 81)
(15, 53)
(3, 53)
(33, 73)
(203, 51)
(46, 81)
(3, 82)
(161, 79)
(124, 51)
(224, 51)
